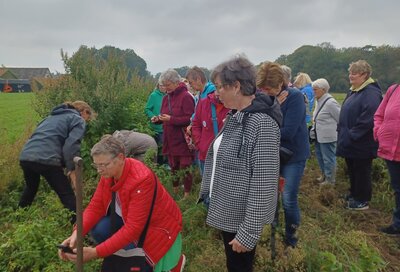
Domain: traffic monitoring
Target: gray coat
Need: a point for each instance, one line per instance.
(136, 143)
(57, 139)
(324, 128)
(244, 191)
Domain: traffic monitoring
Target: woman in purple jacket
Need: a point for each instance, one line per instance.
(176, 109)
(387, 134)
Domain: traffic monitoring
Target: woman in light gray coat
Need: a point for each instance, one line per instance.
(324, 130)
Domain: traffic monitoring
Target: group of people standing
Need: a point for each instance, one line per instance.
(239, 123)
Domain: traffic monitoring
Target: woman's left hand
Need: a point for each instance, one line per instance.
(238, 247)
(89, 253)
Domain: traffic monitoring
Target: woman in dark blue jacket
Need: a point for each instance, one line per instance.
(51, 148)
(355, 132)
(294, 136)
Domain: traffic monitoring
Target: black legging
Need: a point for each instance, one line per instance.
(55, 177)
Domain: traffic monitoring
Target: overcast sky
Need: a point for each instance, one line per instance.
(172, 33)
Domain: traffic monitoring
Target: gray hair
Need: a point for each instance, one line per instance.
(321, 83)
(287, 73)
(360, 66)
(240, 69)
(108, 145)
(169, 76)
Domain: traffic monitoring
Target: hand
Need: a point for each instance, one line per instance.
(189, 130)
(238, 247)
(164, 117)
(69, 242)
(89, 253)
(154, 119)
(72, 177)
(282, 97)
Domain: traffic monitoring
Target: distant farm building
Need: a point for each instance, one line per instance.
(22, 79)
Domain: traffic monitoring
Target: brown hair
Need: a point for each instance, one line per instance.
(270, 74)
(196, 73)
(81, 106)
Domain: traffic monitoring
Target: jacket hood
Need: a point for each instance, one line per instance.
(263, 103)
(63, 108)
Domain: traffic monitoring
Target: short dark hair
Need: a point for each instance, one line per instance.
(240, 69)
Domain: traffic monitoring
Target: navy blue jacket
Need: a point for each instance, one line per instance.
(294, 133)
(57, 139)
(356, 122)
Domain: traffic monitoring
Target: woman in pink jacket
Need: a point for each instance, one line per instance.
(204, 126)
(133, 185)
(387, 134)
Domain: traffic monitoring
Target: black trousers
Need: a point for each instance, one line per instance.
(55, 177)
(360, 178)
(237, 262)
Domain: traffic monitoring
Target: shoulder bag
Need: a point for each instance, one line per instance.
(131, 259)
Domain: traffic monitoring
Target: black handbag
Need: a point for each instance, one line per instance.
(285, 155)
(130, 259)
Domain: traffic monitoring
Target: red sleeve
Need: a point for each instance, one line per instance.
(138, 206)
(96, 209)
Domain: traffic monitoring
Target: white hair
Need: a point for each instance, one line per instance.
(321, 83)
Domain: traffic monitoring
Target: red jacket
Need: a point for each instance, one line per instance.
(202, 124)
(135, 189)
(181, 108)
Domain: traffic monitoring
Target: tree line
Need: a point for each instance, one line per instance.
(320, 61)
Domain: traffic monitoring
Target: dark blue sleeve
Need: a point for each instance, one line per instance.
(365, 121)
(294, 114)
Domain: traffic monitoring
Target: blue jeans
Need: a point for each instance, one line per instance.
(102, 230)
(326, 156)
(292, 172)
(394, 172)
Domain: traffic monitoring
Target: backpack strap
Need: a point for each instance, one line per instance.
(214, 119)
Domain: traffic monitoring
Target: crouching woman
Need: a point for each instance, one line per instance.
(133, 185)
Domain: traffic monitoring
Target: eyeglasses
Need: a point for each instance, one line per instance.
(102, 165)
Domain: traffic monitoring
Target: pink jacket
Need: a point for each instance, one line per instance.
(387, 125)
(135, 189)
(202, 124)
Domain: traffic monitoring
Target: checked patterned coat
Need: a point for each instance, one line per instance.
(244, 193)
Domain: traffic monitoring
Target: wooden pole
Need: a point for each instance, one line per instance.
(79, 211)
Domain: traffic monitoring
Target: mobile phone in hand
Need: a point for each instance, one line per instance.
(65, 249)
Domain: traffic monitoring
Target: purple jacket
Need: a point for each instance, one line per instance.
(180, 106)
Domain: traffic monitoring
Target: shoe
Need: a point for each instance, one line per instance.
(181, 264)
(326, 182)
(321, 178)
(348, 197)
(357, 205)
(390, 230)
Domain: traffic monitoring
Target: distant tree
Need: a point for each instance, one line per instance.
(132, 61)
(324, 60)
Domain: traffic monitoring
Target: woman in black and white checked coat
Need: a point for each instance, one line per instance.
(242, 165)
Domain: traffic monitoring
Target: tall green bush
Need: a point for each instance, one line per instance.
(117, 96)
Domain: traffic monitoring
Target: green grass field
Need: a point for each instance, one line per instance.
(16, 114)
(331, 237)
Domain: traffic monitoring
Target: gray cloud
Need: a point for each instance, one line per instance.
(194, 32)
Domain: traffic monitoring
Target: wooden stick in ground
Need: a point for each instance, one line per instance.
(79, 211)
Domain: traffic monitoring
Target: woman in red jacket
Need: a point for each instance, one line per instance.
(133, 183)
(207, 122)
